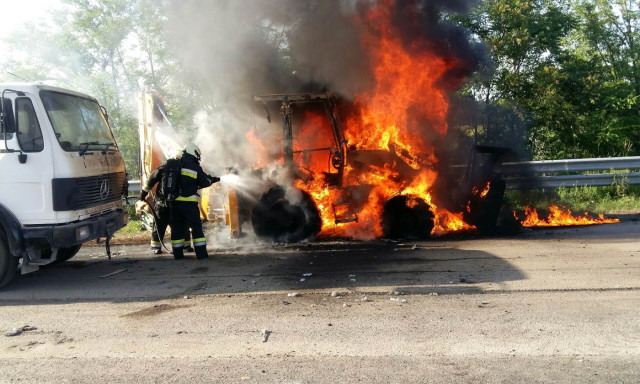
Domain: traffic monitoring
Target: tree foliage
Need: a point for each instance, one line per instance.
(569, 69)
(561, 77)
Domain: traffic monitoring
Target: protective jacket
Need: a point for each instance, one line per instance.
(184, 209)
(192, 178)
(154, 178)
(163, 213)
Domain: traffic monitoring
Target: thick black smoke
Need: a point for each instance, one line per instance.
(243, 48)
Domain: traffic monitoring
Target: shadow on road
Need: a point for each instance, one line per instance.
(377, 266)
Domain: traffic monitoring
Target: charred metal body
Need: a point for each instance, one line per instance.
(287, 104)
(484, 188)
(407, 217)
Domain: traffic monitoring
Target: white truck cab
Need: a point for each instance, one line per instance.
(62, 177)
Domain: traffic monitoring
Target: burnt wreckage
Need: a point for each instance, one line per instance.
(291, 214)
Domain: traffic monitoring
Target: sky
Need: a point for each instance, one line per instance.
(16, 13)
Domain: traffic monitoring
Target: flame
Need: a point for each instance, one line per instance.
(484, 191)
(561, 217)
(406, 101)
(260, 151)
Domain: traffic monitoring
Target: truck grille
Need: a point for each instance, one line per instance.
(70, 194)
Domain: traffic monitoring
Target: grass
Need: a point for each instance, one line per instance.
(131, 233)
(615, 199)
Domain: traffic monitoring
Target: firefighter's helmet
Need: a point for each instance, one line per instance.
(192, 149)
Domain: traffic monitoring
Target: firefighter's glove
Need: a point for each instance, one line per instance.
(213, 179)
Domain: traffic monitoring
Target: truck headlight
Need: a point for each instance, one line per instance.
(82, 233)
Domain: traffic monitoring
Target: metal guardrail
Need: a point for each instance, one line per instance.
(134, 186)
(594, 180)
(535, 174)
(572, 165)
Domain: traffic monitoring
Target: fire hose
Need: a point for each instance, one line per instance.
(155, 226)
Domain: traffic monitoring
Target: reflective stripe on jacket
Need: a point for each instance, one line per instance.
(192, 178)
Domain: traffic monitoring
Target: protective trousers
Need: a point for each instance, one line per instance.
(187, 212)
(163, 215)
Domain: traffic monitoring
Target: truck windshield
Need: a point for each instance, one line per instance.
(77, 121)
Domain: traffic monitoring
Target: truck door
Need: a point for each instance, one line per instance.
(25, 164)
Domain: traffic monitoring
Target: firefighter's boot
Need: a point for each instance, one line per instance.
(201, 252)
(178, 249)
(178, 253)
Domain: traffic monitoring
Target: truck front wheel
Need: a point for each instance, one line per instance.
(65, 254)
(8, 262)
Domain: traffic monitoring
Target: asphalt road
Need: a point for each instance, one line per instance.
(549, 305)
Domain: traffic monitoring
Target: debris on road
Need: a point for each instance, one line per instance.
(285, 302)
(293, 294)
(186, 297)
(265, 334)
(334, 294)
(395, 293)
(307, 274)
(303, 280)
(365, 298)
(18, 331)
(113, 273)
(397, 299)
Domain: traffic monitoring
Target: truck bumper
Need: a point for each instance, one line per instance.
(68, 235)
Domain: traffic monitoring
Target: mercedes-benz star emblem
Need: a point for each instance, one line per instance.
(104, 189)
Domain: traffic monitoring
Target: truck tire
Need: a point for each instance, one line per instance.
(65, 254)
(276, 218)
(8, 263)
(406, 217)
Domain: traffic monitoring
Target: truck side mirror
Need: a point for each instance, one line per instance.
(104, 112)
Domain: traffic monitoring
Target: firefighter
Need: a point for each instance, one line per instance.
(184, 208)
(162, 212)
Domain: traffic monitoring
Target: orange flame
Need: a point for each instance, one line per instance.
(407, 102)
(406, 98)
(559, 217)
(484, 191)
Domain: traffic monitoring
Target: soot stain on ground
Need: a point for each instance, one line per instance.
(199, 270)
(155, 310)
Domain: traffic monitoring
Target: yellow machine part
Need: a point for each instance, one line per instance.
(150, 153)
(212, 204)
(220, 205)
(233, 215)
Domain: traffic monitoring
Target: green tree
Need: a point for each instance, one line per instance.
(112, 50)
(520, 80)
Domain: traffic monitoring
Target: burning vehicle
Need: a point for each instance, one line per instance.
(326, 186)
(371, 159)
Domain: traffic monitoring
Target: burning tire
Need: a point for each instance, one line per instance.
(279, 219)
(407, 217)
